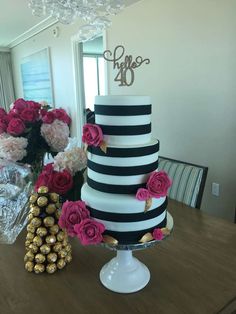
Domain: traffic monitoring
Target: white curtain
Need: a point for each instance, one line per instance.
(6, 81)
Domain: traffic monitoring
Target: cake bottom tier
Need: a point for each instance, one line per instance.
(123, 215)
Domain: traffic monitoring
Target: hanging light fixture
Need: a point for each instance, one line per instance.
(95, 13)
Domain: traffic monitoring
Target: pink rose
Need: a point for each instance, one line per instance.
(61, 115)
(13, 114)
(43, 112)
(3, 125)
(2, 113)
(43, 180)
(158, 184)
(48, 118)
(19, 105)
(16, 127)
(72, 213)
(89, 231)
(33, 104)
(92, 134)
(61, 182)
(142, 194)
(157, 234)
(29, 115)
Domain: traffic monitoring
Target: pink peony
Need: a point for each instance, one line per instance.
(16, 127)
(157, 234)
(89, 231)
(12, 148)
(92, 134)
(19, 105)
(29, 115)
(48, 117)
(72, 213)
(158, 184)
(61, 115)
(56, 135)
(142, 194)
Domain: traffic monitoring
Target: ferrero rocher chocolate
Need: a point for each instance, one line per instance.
(45, 249)
(36, 222)
(48, 221)
(61, 263)
(29, 236)
(68, 258)
(54, 229)
(42, 201)
(41, 231)
(40, 258)
(68, 248)
(30, 217)
(39, 268)
(27, 243)
(29, 256)
(29, 266)
(57, 247)
(61, 236)
(33, 198)
(51, 239)
(54, 197)
(35, 210)
(38, 241)
(33, 248)
(62, 253)
(43, 190)
(57, 214)
(52, 257)
(51, 268)
(30, 228)
(51, 208)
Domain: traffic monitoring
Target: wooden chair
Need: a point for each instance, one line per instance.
(188, 180)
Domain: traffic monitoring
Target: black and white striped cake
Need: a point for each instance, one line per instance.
(114, 177)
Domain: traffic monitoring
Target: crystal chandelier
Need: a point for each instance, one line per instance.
(95, 13)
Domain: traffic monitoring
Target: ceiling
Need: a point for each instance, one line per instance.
(16, 18)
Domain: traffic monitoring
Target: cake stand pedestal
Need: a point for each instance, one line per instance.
(125, 273)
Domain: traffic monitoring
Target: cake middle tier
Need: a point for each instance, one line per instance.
(121, 170)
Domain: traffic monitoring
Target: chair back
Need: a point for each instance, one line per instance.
(188, 180)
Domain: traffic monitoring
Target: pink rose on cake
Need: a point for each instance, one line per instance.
(73, 213)
(92, 134)
(157, 234)
(142, 194)
(89, 231)
(158, 184)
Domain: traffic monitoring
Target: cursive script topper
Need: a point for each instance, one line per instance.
(126, 66)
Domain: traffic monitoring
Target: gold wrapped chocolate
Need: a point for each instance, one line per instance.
(54, 197)
(54, 229)
(43, 190)
(35, 210)
(62, 253)
(39, 268)
(27, 243)
(51, 239)
(49, 221)
(61, 263)
(42, 201)
(30, 228)
(29, 266)
(30, 217)
(58, 205)
(61, 236)
(146, 237)
(68, 258)
(51, 208)
(51, 268)
(33, 248)
(57, 214)
(29, 256)
(41, 231)
(52, 257)
(38, 241)
(40, 258)
(30, 236)
(68, 248)
(36, 222)
(57, 247)
(45, 249)
(33, 198)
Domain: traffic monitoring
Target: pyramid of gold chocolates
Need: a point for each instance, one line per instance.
(46, 243)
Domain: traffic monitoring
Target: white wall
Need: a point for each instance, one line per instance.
(191, 79)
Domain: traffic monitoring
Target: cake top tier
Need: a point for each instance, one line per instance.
(124, 120)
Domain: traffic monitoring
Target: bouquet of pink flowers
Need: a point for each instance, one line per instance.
(31, 129)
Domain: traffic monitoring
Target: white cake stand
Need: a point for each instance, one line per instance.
(125, 273)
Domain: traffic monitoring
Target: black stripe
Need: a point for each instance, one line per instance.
(128, 217)
(110, 110)
(125, 152)
(133, 236)
(116, 189)
(122, 171)
(126, 129)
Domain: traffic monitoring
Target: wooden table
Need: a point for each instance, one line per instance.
(193, 271)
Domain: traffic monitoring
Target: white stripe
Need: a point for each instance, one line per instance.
(132, 226)
(123, 161)
(120, 100)
(123, 120)
(127, 140)
(116, 203)
(117, 180)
